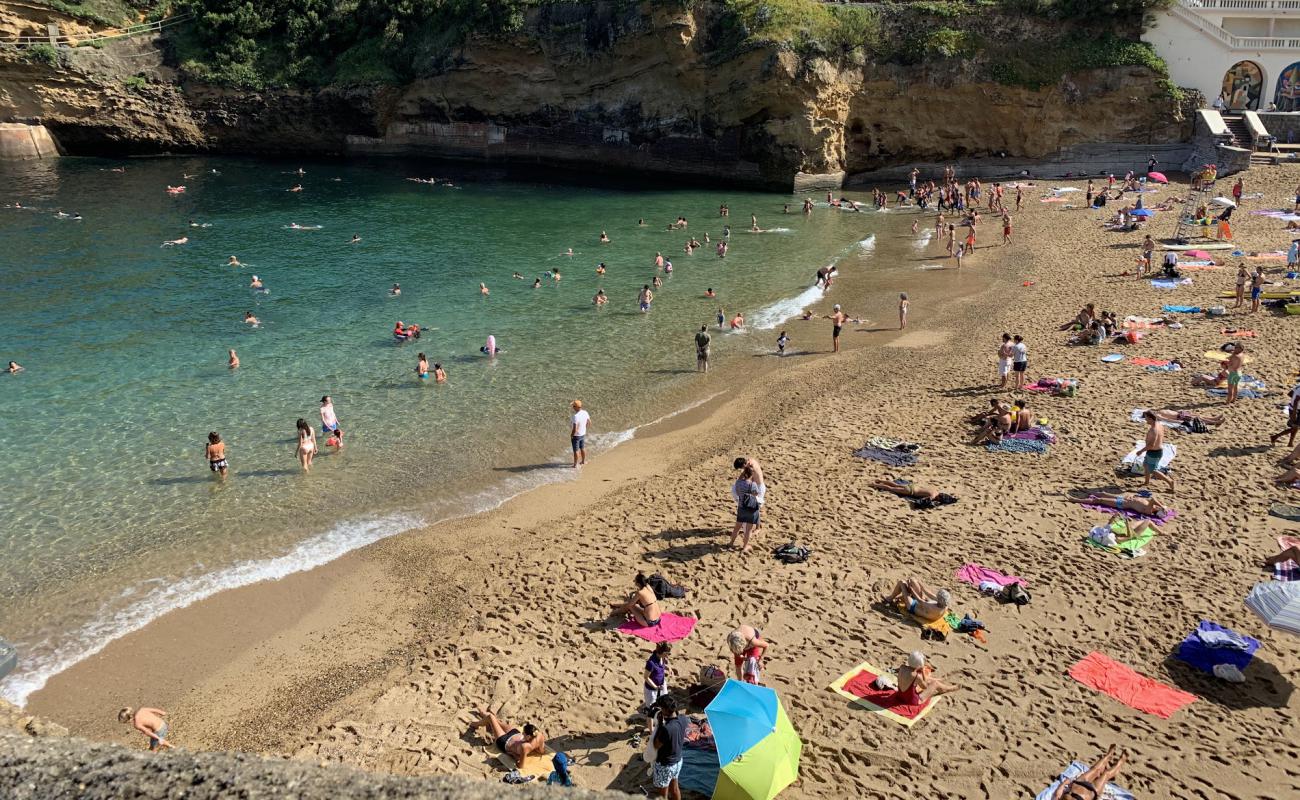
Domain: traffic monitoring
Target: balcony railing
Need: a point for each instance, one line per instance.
(1269, 6)
(1184, 11)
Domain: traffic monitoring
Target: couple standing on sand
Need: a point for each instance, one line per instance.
(1013, 356)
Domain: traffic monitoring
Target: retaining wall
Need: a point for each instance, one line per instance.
(20, 141)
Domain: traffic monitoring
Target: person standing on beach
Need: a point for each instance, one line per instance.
(702, 349)
(1237, 189)
(668, 740)
(655, 684)
(1242, 278)
(150, 722)
(215, 453)
(1233, 365)
(1019, 359)
(837, 318)
(578, 433)
(1005, 352)
(902, 310)
(1153, 450)
(1256, 288)
(1006, 229)
(750, 493)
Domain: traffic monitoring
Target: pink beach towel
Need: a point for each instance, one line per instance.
(1102, 673)
(975, 574)
(671, 628)
(1149, 362)
(1160, 520)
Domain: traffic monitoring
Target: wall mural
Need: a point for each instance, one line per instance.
(1242, 86)
(1288, 89)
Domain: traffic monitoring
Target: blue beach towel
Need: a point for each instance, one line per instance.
(1183, 309)
(1017, 446)
(1198, 650)
(1160, 283)
(1077, 768)
(1243, 393)
(893, 458)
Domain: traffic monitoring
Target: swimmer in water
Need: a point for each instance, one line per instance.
(722, 317)
(600, 268)
(659, 261)
(233, 262)
(175, 242)
(356, 239)
(604, 238)
(658, 281)
(753, 223)
(640, 223)
(395, 291)
(710, 293)
(422, 367)
(668, 267)
(517, 276)
(568, 252)
(555, 275)
(14, 367)
(234, 360)
(726, 231)
(738, 321)
(438, 374)
(250, 319)
(645, 298)
(256, 283)
(537, 283)
(215, 453)
(296, 188)
(482, 289)
(600, 299)
(335, 440)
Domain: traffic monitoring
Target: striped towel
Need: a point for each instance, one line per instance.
(1017, 446)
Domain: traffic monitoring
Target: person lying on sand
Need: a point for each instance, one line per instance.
(1092, 784)
(532, 742)
(1147, 506)
(1105, 535)
(1209, 379)
(916, 681)
(918, 599)
(922, 497)
(1291, 553)
(1291, 475)
(1169, 415)
(642, 605)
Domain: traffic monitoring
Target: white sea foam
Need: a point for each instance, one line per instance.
(139, 605)
(868, 244)
(924, 241)
(773, 315)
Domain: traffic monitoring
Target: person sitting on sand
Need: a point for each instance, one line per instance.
(918, 600)
(747, 647)
(1146, 506)
(150, 722)
(1091, 785)
(509, 740)
(995, 426)
(1021, 419)
(642, 605)
(1081, 320)
(916, 681)
(1291, 553)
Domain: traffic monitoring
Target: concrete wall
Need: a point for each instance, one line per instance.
(1079, 160)
(22, 141)
(1286, 127)
(1198, 61)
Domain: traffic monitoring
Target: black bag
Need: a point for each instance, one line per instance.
(1014, 593)
(791, 553)
(663, 589)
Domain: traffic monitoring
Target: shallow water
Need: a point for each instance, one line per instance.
(111, 516)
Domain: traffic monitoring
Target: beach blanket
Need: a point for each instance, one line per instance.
(1132, 548)
(671, 628)
(1287, 570)
(1010, 445)
(1170, 451)
(1109, 792)
(975, 574)
(1143, 322)
(1285, 511)
(1181, 427)
(1182, 309)
(1167, 283)
(539, 766)
(1127, 514)
(856, 685)
(893, 458)
(1164, 367)
(1212, 644)
(1243, 392)
(1100, 672)
(1142, 361)
(886, 443)
(1038, 432)
(1231, 332)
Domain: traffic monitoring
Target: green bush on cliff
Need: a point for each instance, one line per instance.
(1037, 67)
(45, 54)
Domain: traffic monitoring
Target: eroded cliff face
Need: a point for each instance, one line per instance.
(642, 88)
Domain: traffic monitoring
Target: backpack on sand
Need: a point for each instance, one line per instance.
(663, 589)
(791, 553)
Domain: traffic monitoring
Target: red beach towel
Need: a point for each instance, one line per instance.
(671, 628)
(860, 686)
(1100, 672)
(1149, 362)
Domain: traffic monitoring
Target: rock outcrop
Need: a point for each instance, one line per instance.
(636, 87)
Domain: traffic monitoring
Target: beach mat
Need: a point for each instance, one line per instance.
(1160, 520)
(1017, 446)
(1182, 309)
(1101, 673)
(893, 458)
(1133, 548)
(536, 765)
(1195, 651)
(671, 628)
(1170, 452)
(1285, 511)
(975, 574)
(1109, 792)
(856, 685)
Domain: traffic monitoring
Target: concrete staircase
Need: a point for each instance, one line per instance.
(1241, 135)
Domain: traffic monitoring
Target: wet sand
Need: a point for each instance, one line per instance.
(374, 659)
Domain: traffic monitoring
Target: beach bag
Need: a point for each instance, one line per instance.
(663, 589)
(1014, 593)
(712, 675)
(749, 501)
(1196, 425)
(651, 753)
(791, 553)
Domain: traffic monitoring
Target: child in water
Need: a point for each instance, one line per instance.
(781, 342)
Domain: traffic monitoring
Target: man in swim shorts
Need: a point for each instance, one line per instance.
(328, 422)
(702, 349)
(837, 318)
(215, 453)
(510, 740)
(150, 722)
(1233, 365)
(1153, 451)
(578, 433)
(645, 298)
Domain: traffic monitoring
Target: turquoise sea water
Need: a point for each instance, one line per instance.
(110, 515)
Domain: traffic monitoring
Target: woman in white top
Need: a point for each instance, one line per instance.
(749, 492)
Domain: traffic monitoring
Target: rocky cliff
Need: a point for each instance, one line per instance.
(644, 87)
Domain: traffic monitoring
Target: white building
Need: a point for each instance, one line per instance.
(1246, 50)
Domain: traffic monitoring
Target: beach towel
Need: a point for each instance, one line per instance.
(976, 574)
(1287, 570)
(893, 458)
(1166, 283)
(1100, 672)
(1132, 321)
(1163, 466)
(539, 766)
(1164, 368)
(1182, 309)
(671, 628)
(856, 685)
(1038, 432)
(1133, 548)
(1243, 392)
(1212, 644)
(1009, 445)
(1150, 362)
(1127, 514)
(1109, 792)
(1285, 511)
(1230, 332)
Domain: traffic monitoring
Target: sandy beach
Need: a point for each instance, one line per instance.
(375, 659)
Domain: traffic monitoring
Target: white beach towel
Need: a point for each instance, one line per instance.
(1170, 452)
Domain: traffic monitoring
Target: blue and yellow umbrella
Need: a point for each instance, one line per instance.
(758, 749)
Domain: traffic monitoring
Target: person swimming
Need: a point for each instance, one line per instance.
(395, 291)
(537, 283)
(483, 289)
(738, 321)
(250, 319)
(604, 238)
(599, 299)
(517, 276)
(14, 367)
(233, 262)
(233, 363)
(356, 239)
(710, 293)
(296, 188)
(256, 285)
(175, 242)
(490, 348)
(600, 268)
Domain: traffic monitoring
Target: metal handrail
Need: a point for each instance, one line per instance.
(103, 36)
(1183, 12)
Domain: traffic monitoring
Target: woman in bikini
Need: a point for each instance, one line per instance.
(306, 449)
(1092, 784)
(642, 605)
(1147, 506)
(509, 740)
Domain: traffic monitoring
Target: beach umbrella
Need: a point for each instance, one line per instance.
(1223, 201)
(1158, 177)
(1142, 212)
(758, 749)
(1278, 604)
